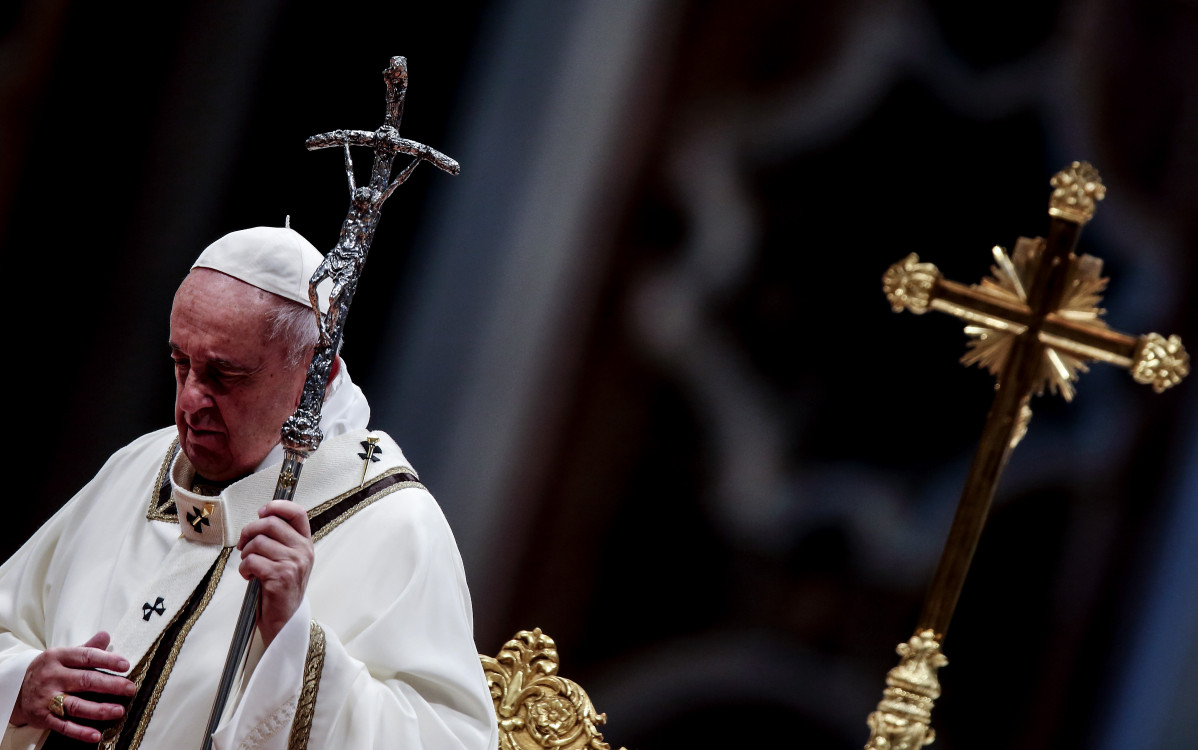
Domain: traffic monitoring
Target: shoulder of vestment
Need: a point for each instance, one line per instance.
(349, 472)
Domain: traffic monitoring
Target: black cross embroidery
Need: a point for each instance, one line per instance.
(373, 451)
(148, 608)
(371, 446)
(198, 518)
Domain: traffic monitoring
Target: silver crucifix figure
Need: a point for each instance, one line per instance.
(342, 266)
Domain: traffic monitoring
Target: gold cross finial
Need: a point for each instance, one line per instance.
(1077, 190)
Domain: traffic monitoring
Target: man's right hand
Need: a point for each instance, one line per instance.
(69, 671)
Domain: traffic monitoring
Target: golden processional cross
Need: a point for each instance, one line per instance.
(1034, 323)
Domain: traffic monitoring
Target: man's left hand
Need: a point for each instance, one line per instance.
(277, 550)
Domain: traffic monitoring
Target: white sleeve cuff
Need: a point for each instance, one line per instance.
(12, 674)
(263, 717)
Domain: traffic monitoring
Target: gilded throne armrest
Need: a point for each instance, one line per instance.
(537, 709)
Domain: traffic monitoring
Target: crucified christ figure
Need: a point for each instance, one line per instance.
(343, 264)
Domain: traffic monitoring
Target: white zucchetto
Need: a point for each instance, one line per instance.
(274, 259)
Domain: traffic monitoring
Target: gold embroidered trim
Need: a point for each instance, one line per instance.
(110, 736)
(330, 503)
(320, 534)
(301, 725)
(169, 666)
(155, 511)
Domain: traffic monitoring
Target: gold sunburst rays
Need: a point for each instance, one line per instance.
(1010, 275)
(990, 347)
(1084, 286)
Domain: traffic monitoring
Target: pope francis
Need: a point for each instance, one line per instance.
(116, 616)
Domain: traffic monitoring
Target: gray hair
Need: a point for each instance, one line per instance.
(295, 325)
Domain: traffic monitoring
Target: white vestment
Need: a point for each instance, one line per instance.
(379, 654)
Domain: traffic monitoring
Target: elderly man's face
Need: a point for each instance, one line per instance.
(233, 390)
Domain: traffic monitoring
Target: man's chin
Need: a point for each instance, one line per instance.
(208, 453)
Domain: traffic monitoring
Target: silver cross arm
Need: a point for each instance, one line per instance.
(383, 140)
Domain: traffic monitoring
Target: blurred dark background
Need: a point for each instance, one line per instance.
(639, 349)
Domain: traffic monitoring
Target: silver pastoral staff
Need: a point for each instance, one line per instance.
(343, 267)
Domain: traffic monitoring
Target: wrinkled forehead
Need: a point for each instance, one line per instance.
(215, 286)
(216, 304)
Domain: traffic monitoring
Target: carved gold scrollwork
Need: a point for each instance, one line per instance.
(1160, 362)
(902, 720)
(1076, 191)
(536, 708)
(908, 284)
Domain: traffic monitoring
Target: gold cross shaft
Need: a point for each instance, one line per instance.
(1034, 324)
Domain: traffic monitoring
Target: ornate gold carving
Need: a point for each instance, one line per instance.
(1160, 362)
(288, 478)
(536, 708)
(1076, 190)
(908, 284)
(905, 712)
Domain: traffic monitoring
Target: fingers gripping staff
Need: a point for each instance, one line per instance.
(342, 267)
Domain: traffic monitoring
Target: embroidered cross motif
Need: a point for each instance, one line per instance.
(198, 518)
(373, 451)
(147, 609)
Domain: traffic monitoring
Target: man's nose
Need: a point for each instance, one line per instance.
(193, 395)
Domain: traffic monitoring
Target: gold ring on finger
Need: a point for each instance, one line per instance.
(56, 705)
